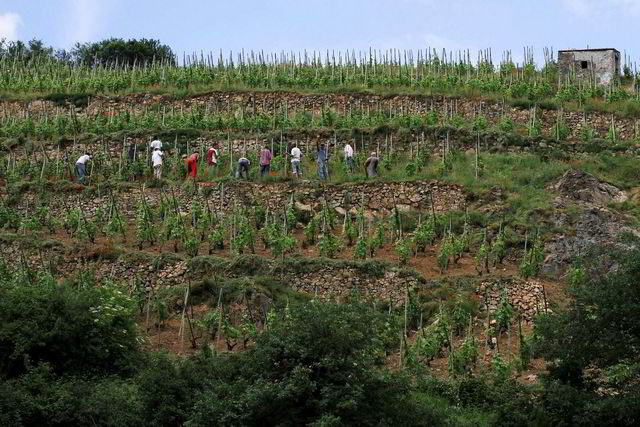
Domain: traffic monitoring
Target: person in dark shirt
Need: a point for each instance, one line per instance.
(321, 162)
(242, 170)
(371, 166)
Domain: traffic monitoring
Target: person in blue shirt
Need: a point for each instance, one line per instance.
(321, 162)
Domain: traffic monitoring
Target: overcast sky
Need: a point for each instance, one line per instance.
(273, 25)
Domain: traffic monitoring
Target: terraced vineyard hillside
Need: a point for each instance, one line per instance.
(448, 276)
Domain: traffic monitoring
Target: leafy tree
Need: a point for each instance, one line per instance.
(601, 327)
(320, 365)
(123, 52)
(77, 329)
(32, 50)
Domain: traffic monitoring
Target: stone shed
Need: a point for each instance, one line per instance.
(599, 65)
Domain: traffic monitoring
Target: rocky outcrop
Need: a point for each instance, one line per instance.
(583, 187)
(583, 221)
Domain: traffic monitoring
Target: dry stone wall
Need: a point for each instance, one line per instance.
(341, 283)
(527, 297)
(272, 102)
(378, 197)
(333, 281)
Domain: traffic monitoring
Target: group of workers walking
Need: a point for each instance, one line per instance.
(321, 157)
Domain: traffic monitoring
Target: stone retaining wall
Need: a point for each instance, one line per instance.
(341, 283)
(379, 197)
(272, 102)
(525, 296)
(327, 282)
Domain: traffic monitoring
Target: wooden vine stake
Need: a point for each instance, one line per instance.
(477, 149)
(184, 310)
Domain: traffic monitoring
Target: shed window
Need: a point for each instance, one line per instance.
(584, 64)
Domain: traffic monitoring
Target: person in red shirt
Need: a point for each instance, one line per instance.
(192, 165)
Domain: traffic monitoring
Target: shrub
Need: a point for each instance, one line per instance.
(402, 250)
(586, 133)
(506, 124)
(81, 330)
(329, 245)
(410, 169)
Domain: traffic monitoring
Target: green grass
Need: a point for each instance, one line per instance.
(628, 207)
(522, 179)
(621, 171)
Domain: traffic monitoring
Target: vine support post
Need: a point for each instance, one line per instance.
(184, 310)
(488, 323)
(120, 160)
(477, 149)
(148, 310)
(509, 340)
(44, 163)
(220, 314)
(221, 196)
(230, 154)
(57, 162)
(401, 350)
(406, 309)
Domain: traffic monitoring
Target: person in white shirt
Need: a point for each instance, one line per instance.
(156, 144)
(156, 158)
(212, 160)
(295, 161)
(348, 156)
(81, 167)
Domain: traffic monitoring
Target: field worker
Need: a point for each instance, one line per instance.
(192, 164)
(242, 170)
(155, 145)
(156, 158)
(371, 166)
(265, 159)
(131, 149)
(295, 161)
(212, 160)
(81, 167)
(321, 162)
(348, 156)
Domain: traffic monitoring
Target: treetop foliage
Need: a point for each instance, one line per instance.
(106, 52)
(122, 52)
